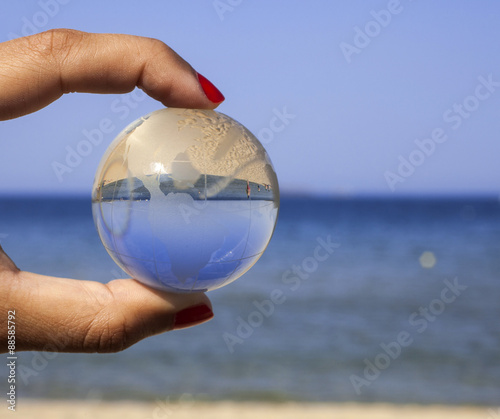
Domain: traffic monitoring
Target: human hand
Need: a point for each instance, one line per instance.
(84, 316)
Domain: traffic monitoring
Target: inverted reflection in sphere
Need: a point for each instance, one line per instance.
(185, 200)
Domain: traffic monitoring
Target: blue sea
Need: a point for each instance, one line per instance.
(375, 299)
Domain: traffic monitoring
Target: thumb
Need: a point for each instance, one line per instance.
(66, 315)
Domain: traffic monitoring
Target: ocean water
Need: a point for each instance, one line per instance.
(361, 300)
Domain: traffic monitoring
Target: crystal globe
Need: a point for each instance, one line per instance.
(185, 200)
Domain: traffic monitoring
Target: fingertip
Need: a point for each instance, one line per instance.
(172, 311)
(192, 316)
(167, 77)
(195, 92)
(213, 94)
(187, 309)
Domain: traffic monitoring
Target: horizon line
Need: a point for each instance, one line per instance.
(289, 195)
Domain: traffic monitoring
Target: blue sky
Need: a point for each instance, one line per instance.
(378, 97)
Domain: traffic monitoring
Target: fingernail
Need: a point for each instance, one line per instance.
(192, 316)
(213, 94)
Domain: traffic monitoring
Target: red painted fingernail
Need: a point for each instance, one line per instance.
(213, 94)
(192, 316)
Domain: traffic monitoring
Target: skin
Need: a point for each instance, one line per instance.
(60, 314)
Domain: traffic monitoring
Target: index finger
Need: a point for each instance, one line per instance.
(38, 69)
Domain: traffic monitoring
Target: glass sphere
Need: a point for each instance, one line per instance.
(185, 200)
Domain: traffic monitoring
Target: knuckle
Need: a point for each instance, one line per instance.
(155, 48)
(158, 45)
(109, 334)
(54, 43)
(159, 49)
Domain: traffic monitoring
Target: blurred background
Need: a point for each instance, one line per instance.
(382, 121)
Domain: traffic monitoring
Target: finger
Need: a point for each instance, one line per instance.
(38, 69)
(65, 315)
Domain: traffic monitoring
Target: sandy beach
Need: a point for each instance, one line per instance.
(230, 410)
